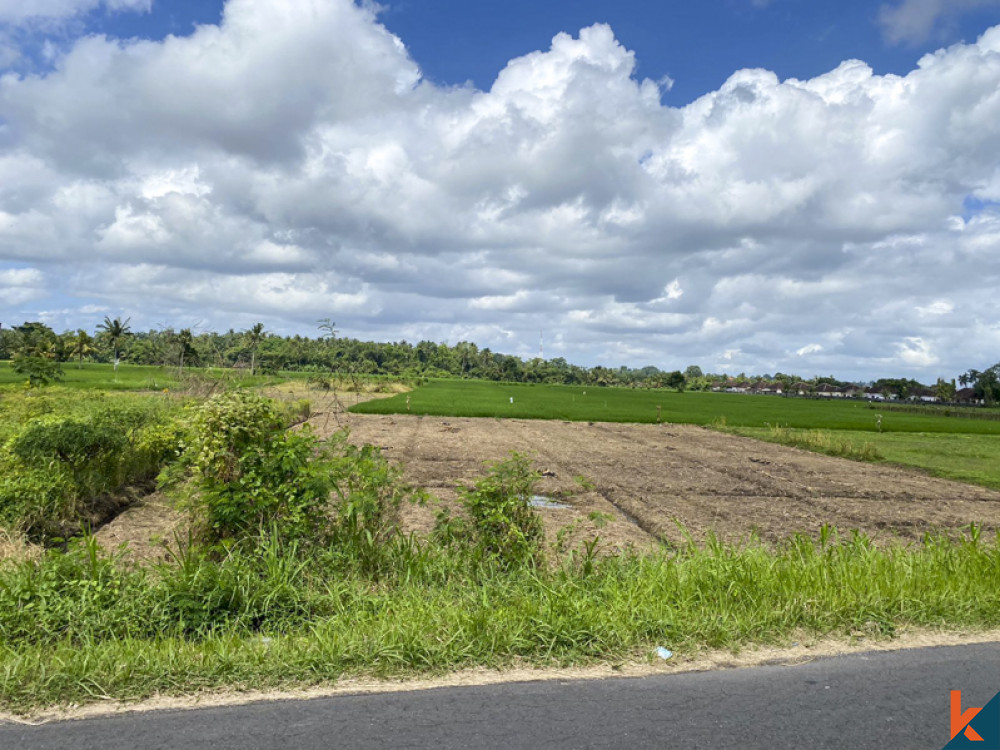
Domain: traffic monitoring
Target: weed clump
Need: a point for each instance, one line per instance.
(825, 442)
(506, 528)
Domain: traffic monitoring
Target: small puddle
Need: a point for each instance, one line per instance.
(541, 501)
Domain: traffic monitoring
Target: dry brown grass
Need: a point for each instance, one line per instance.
(16, 547)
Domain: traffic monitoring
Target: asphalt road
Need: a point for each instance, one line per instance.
(878, 700)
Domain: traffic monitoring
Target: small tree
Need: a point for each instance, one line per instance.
(184, 341)
(39, 370)
(506, 527)
(944, 390)
(328, 328)
(676, 380)
(80, 346)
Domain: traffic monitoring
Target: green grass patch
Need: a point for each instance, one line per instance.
(79, 627)
(966, 458)
(91, 376)
(857, 446)
(467, 398)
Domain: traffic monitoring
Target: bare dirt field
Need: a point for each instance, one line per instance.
(630, 484)
(649, 478)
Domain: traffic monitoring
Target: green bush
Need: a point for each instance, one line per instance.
(89, 451)
(35, 501)
(368, 493)
(254, 477)
(252, 474)
(56, 468)
(39, 370)
(506, 527)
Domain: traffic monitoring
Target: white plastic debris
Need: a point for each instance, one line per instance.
(664, 653)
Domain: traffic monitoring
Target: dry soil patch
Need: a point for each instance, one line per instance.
(142, 530)
(652, 477)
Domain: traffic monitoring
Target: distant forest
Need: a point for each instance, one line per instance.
(259, 351)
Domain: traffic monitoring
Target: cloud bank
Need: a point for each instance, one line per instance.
(291, 164)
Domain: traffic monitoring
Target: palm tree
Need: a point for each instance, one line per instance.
(253, 337)
(184, 341)
(328, 327)
(81, 346)
(116, 330)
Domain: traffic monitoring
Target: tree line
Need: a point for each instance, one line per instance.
(39, 353)
(34, 345)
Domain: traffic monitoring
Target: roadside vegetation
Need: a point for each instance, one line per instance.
(66, 461)
(295, 572)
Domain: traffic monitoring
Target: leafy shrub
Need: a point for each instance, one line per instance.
(254, 477)
(39, 370)
(36, 501)
(89, 451)
(369, 492)
(225, 429)
(55, 468)
(251, 473)
(506, 527)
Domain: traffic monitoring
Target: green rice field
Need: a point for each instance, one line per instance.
(465, 398)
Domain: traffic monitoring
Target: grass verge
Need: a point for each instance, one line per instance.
(79, 626)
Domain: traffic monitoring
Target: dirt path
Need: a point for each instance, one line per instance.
(651, 476)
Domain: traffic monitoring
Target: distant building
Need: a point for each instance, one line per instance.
(967, 396)
(926, 395)
(767, 389)
(828, 391)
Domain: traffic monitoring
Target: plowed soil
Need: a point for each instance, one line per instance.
(652, 480)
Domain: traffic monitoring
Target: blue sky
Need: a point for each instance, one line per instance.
(642, 181)
(697, 44)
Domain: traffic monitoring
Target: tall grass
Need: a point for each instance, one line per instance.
(967, 458)
(78, 626)
(855, 446)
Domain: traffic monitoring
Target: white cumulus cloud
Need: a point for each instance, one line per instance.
(292, 162)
